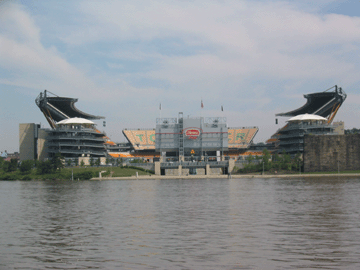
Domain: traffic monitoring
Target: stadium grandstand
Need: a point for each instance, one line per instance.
(56, 109)
(238, 138)
(325, 104)
(241, 138)
(141, 139)
(141, 142)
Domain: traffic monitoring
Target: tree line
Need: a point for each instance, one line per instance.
(42, 167)
(352, 131)
(272, 163)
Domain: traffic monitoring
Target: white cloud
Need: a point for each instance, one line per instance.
(28, 63)
(267, 39)
(129, 55)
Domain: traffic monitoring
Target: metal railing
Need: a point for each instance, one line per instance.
(298, 148)
(75, 144)
(306, 127)
(291, 142)
(61, 128)
(146, 166)
(188, 164)
(77, 152)
(76, 138)
(302, 134)
(141, 129)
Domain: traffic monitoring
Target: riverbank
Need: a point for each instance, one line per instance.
(81, 173)
(235, 176)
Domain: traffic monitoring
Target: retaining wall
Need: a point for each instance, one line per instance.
(331, 152)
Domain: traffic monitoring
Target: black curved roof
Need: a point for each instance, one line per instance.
(321, 103)
(60, 108)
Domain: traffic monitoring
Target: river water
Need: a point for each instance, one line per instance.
(274, 223)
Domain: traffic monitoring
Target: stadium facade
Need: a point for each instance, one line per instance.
(172, 139)
(191, 137)
(194, 138)
(168, 139)
(76, 137)
(326, 104)
(291, 137)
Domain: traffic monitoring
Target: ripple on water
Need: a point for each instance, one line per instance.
(181, 224)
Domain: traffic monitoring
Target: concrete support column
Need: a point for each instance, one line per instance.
(180, 170)
(157, 168)
(181, 158)
(207, 169)
(231, 165)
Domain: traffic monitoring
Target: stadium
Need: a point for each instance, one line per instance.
(326, 104)
(174, 145)
(169, 140)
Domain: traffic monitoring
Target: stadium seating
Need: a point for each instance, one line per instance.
(241, 137)
(141, 139)
(121, 155)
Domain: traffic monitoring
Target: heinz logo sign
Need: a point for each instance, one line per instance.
(192, 133)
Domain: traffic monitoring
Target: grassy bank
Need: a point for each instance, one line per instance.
(335, 172)
(85, 173)
(81, 173)
(284, 172)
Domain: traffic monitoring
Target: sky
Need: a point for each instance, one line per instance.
(121, 59)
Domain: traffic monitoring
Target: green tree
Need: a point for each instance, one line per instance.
(119, 161)
(36, 163)
(44, 167)
(250, 159)
(285, 161)
(82, 164)
(10, 166)
(276, 164)
(250, 166)
(266, 160)
(297, 161)
(56, 162)
(26, 166)
(1, 162)
(136, 160)
(69, 161)
(91, 161)
(97, 162)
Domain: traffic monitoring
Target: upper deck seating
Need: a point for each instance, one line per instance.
(241, 137)
(141, 139)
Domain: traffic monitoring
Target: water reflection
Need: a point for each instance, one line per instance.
(181, 224)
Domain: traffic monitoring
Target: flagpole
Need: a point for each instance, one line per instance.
(160, 111)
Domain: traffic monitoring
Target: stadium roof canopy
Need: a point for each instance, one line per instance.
(325, 104)
(307, 117)
(56, 109)
(76, 120)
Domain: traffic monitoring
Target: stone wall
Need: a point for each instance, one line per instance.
(329, 152)
(27, 141)
(41, 146)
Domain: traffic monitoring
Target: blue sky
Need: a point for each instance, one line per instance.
(123, 58)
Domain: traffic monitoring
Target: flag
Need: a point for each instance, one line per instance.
(202, 105)
(160, 107)
(222, 108)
